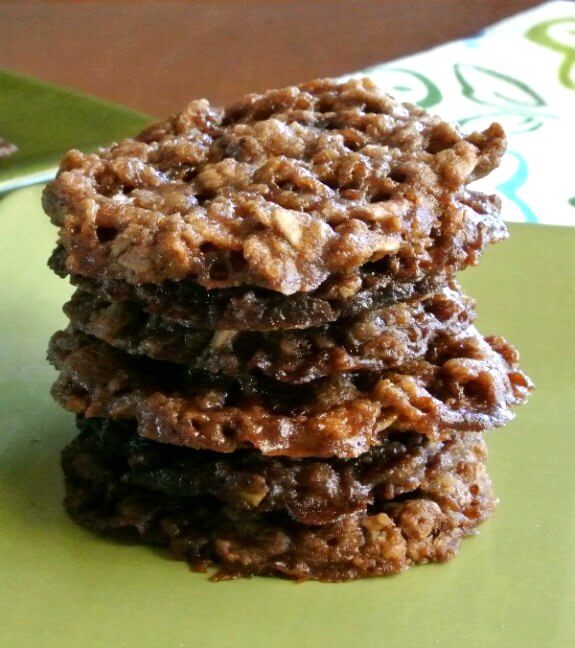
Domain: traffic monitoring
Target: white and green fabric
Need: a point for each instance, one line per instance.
(520, 73)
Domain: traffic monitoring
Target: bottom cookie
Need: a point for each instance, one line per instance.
(425, 525)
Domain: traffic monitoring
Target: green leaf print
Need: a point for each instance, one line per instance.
(512, 122)
(507, 99)
(492, 88)
(406, 85)
(558, 35)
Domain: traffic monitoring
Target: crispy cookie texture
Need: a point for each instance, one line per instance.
(372, 341)
(311, 491)
(193, 306)
(464, 383)
(425, 525)
(289, 191)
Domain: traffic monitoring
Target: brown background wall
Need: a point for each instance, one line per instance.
(154, 55)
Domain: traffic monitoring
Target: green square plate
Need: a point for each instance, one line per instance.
(44, 121)
(511, 586)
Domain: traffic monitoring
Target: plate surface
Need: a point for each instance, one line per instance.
(512, 585)
(44, 121)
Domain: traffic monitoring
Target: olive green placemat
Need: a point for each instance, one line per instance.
(44, 121)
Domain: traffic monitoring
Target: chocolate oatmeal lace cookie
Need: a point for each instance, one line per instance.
(240, 309)
(373, 341)
(298, 190)
(464, 383)
(311, 491)
(421, 526)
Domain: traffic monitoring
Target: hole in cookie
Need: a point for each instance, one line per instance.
(364, 382)
(208, 247)
(373, 109)
(397, 175)
(354, 145)
(442, 310)
(285, 185)
(330, 125)
(219, 271)
(436, 145)
(325, 104)
(261, 113)
(106, 234)
(332, 183)
(474, 390)
(381, 195)
(353, 139)
(471, 512)
(205, 195)
(435, 234)
(79, 392)
(440, 140)
(121, 391)
(228, 431)
(236, 260)
(189, 175)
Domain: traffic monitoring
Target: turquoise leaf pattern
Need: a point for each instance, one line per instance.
(512, 185)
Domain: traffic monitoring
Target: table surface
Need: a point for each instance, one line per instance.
(154, 55)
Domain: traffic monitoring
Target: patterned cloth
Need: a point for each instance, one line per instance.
(521, 73)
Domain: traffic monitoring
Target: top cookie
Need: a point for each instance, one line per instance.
(279, 191)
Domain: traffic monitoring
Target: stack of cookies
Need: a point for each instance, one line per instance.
(271, 365)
